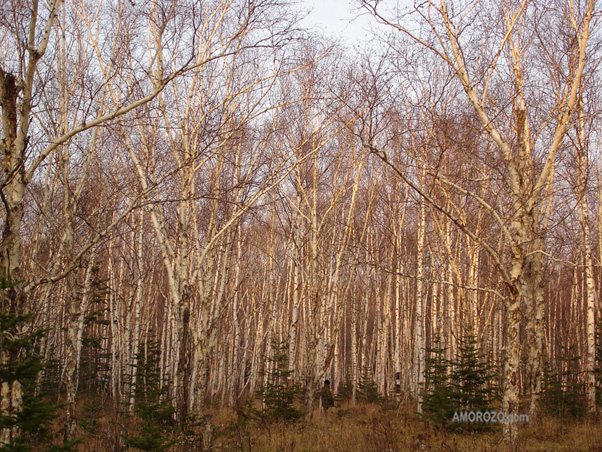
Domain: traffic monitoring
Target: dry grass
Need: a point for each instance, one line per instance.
(361, 428)
(368, 428)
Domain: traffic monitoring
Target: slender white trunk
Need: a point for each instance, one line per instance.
(13, 153)
(77, 311)
(292, 353)
(510, 401)
(398, 325)
(354, 352)
(590, 285)
(235, 377)
(419, 346)
(135, 336)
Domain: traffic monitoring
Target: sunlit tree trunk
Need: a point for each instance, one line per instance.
(581, 190)
(419, 345)
(16, 102)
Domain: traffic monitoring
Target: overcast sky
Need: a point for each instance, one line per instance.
(340, 18)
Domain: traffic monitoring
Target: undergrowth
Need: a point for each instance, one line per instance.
(384, 428)
(346, 428)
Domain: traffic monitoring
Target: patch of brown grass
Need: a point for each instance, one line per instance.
(359, 428)
(370, 428)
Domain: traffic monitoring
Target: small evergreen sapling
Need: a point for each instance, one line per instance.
(472, 377)
(465, 384)
(438, 401)
(564, 391)
(94, 364)
(345, 392)
(154, 410)
(279, 394)
(32, 422)
(368, 389)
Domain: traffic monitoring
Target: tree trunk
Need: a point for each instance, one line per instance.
(582, 171)
(510, 403)
(419, 346)
(12, 147)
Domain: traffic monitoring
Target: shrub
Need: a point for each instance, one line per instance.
(368, 390)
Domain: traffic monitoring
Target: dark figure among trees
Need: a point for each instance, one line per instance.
(326, 396)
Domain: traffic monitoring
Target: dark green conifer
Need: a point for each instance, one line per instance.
(472, 377)
(155, 412)
(279, 394)
(94, 364)
(467, 383)
(563, 393)
(24, 365)
(345, 392)
(438, 401)
(368, 389)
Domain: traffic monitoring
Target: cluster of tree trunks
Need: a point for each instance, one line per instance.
(217, 180)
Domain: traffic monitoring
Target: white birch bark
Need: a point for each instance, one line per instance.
(581, 186)
(527, 184)
(135, 311)
(419, 345)
(354, 352)
(16, 103)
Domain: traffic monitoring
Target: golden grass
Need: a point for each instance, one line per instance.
(369, 428)
(360, 428)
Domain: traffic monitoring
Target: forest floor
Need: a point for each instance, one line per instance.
(370, 428)
(344, 428)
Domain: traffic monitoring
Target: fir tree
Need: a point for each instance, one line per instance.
(154, 410)
(345, 392)
(34, 419)
(279, 394)
(438, 401)
(94, 365)
(465, 384)
(472, 378)
(564, 391)
(368, 390)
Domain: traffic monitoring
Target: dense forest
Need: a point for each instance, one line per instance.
(200, 195)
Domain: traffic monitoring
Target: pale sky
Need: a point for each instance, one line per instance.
(340, 18)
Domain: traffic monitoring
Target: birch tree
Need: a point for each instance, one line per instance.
(580, 140)
(320, 226)
(31, 38)
(527, 140)
(214, 146)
